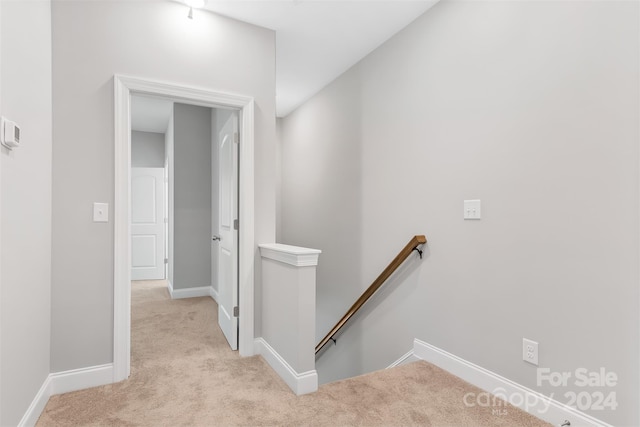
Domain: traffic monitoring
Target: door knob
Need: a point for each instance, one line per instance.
(218, 238)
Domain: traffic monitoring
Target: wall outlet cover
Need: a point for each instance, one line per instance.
(530, 351)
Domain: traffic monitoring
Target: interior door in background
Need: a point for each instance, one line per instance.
(227, 236)
(147, 224)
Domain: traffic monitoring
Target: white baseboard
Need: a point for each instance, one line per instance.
(30, 418)
(64, 382)
(406, 358)
(79, 379)
(203, 291)
(213, 293)
(535, 403)
(300, 383)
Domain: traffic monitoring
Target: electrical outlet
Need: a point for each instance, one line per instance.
(530, 351)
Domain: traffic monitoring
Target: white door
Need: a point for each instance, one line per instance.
(147, 224)
(227, 236)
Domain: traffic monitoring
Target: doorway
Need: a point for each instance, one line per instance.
(196, 147)
(125, 87)
(150, 123)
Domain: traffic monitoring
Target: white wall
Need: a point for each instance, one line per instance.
(155, 40)
(531, 107)
(192, 196)
(25, 201)
(147, 149)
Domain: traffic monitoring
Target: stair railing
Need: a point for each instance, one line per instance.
(413, 245)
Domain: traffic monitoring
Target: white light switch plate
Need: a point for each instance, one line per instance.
(100, 212)
(472, 209)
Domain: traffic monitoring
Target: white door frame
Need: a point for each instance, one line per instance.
(124, 87)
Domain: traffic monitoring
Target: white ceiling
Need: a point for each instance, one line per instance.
(150, 114)
(317, 40)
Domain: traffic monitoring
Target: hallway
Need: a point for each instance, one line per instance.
(181, 369)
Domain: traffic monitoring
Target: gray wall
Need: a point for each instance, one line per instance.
(321, 204)
(278, 179)
(169, 165)
(192, 196)
(531, 107)
(147, 149)
(25, 207)
(91, 42)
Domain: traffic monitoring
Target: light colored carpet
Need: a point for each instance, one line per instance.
(184, 374)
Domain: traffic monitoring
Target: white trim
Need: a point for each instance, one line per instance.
(543, 407)
(65, 382)
(192, 292)
(300, 383)
(246, 219)
(123, 87)
(202, 291)
(80, 379)
(213, 294)
(122, 240)
(638, 260)
(292, 255)
(403, 359)
(30, 418)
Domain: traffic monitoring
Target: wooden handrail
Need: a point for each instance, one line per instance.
(397, 261)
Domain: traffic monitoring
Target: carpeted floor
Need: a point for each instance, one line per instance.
(184, 374)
